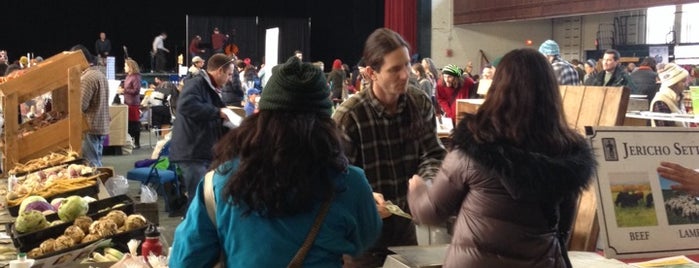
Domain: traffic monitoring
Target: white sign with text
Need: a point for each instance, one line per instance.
(639, 214)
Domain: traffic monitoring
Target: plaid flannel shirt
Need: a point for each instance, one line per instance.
(391, 148)
(95, 100)
(565, 72)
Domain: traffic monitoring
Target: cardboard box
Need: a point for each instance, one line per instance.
(118, 126)
(148, 210)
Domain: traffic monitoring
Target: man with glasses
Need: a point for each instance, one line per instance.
(199, 121)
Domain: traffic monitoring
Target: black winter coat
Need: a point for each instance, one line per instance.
(198, 124)
(232, 93)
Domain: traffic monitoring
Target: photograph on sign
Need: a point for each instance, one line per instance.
(633, 200)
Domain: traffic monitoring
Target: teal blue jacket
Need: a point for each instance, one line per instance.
(351, 226)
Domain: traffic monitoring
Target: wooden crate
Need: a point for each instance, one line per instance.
(59, 74)
(583, 106)
(591, 106)
(594, 106)
(467, 106)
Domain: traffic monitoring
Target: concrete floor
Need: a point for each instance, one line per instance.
(122, 164)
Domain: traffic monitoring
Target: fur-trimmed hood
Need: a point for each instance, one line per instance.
(527, 174)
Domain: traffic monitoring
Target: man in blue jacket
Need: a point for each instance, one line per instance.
(199, 121)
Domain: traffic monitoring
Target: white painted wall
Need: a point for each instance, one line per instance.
(496, 39)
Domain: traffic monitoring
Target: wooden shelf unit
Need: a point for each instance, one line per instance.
(59, 74)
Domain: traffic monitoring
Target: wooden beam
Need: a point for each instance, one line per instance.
(479, 11)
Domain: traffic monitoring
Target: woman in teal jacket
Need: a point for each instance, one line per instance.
(272, 175)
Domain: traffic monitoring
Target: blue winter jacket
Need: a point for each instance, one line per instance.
(351, 225)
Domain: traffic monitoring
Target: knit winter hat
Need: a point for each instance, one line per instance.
(549, 47)
(337, 64)
(592, 63)
(296, 86)
(452, 70)
(672, 74)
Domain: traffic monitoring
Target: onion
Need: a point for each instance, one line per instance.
(40, 206)
(56, 202)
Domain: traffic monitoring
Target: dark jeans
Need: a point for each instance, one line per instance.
(160, 61)
(135, 132)
(396, 231)
(192, 174)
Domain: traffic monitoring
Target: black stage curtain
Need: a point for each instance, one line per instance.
(294, 34)
(248, 34)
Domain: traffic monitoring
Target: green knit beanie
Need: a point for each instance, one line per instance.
(296, 86)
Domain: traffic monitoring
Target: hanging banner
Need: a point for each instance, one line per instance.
(639, 214)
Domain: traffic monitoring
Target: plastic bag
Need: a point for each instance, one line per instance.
(131, 259)
(117, 185)
(148, 194)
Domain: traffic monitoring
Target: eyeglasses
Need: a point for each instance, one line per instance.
(228, 65)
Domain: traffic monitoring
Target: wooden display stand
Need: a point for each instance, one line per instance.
(467, 106)
(59, 74)
(591, 106)
(585, 106)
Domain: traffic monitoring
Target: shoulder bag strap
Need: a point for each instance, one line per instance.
(209, 196)
(297, 261)
(210, 203)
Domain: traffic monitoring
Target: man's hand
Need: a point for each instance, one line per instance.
(223, 114)
(381, 206)
(688, 179)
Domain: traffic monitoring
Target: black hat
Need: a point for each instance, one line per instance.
(296, 86)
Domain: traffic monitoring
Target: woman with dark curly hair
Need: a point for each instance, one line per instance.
(513, 175)
(271, 176)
